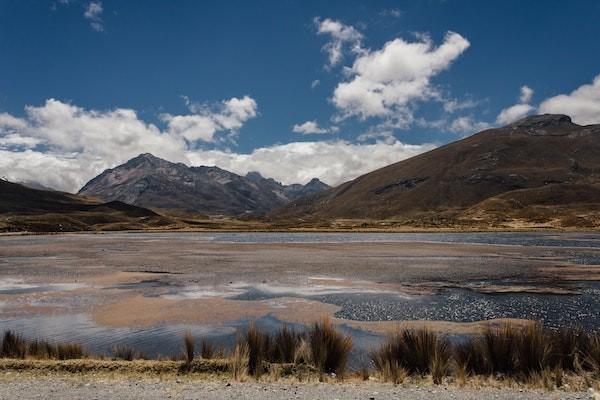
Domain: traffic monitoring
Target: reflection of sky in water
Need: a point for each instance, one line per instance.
(18, 286)
(164, 340)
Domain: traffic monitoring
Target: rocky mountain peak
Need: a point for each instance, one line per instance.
(543, 121)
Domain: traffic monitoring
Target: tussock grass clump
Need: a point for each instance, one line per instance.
(70, 351)
(302, 355)
(567, 348)
(533, 350)
(239, 360)
(329, 348)
(418, 351)
(258, 350)
(190, 347)
(207, 350)
(285, 345)
(591, 354)
(498, 350)
(13, 346)
(125, 352)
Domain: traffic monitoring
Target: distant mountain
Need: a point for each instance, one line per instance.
(26, 209)
(541, 170)
(149, 181)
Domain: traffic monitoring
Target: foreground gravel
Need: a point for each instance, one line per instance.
(78, 388)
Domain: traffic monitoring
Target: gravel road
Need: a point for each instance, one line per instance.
(77, 388)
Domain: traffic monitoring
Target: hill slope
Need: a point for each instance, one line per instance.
(26, 209)
(148, 181)
(542, 169)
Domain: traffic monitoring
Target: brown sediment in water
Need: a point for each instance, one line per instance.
(442, 327)
(572, 272)
(147, 311)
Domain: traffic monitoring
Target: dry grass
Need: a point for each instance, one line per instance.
(207, 350)
(239, 360)
(189, 346)
(418, 351)
(14, 346)
(531, 356)
(285, 345)
(329, 348)
(126, 353)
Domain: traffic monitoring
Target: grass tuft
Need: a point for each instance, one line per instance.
(190, 347)
(329, 348)
(13, 346)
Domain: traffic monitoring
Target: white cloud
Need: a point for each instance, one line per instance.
(93, 13)
(312, 127)
(513, 113)
(467, 125)
(340, 36)
(333, 162)
(387, 82)
(61, 145)
(453, 105)
(229, 115)
(526, 94)
(315, 83)
(582, 104)
(517, 111)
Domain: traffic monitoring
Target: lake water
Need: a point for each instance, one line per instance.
(457, 304)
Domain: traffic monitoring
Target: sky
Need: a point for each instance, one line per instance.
(292, 89)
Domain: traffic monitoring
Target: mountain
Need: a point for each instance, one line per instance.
(540, 171)
(149, 181)
(26, 209)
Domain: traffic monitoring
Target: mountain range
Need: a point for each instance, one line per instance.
(149, 181)
(541, 170)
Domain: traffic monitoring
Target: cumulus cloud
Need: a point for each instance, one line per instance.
(93, 13)
(526, 94)
(513, 113)
(312, 128)
(206, 121)
(387, 82)
(582, 104)
(341, 36)
(467, 125)
(519, 110)
(62, 146)
(315, 83)
(333, 162)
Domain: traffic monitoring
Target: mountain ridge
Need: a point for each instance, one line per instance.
(493, 177)
(152, 182)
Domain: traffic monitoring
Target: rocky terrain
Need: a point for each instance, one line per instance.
(542, 171)
(151, 182)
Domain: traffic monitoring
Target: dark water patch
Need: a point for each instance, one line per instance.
(459, 305)
(145, 284)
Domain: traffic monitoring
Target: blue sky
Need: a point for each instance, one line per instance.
(293, 89)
